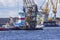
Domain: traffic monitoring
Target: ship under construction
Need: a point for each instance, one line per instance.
(32, 17)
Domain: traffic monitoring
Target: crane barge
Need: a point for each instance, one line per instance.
(31, 18)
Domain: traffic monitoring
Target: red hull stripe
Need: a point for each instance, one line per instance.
(21, 18)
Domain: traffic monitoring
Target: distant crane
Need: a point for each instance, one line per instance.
(54, 6)
(45, 10)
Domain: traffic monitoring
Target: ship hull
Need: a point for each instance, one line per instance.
(20, 28)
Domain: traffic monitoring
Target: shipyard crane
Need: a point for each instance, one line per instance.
(26, 5)
(45, 10)
(29, 4)
(54, 6)
(30, 9)
(35, 8)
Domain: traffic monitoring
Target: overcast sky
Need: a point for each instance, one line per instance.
(12, 7)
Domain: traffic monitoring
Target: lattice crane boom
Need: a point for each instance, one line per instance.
(54, 5)
(46, 9)
(26, 5)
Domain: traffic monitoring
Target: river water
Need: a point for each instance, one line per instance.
(48, 33)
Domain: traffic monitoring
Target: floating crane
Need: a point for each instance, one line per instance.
(30, 8)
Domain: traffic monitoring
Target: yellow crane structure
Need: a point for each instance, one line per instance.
(54, 6)
(46, 10)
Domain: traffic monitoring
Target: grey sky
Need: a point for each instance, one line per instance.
(12, 7)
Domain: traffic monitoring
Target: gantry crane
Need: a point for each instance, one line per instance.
(45, 10)
(54, 6)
